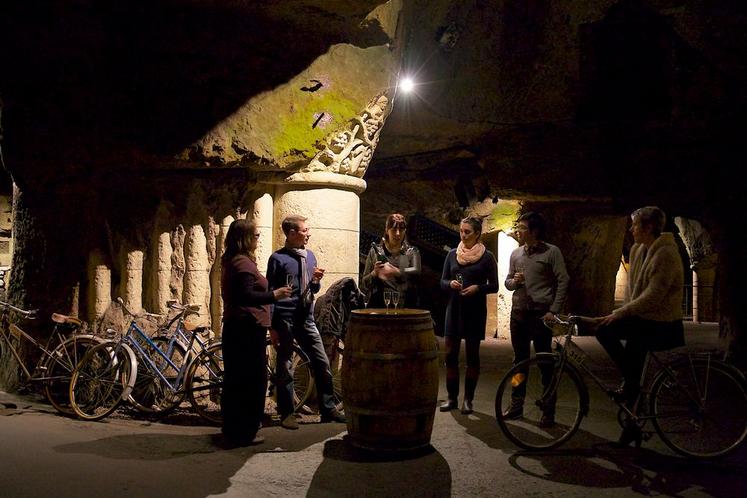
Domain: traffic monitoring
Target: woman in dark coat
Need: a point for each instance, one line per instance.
(470, 274)
(246, 318)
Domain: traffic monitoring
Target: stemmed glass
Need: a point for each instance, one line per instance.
(289, 280)
(387, 298)
(395, 298)
(366, 299)
(459, 278)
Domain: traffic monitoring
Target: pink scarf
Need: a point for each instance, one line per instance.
(466, 256)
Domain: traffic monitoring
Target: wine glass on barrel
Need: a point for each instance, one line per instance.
(387, 298)
(395, 299)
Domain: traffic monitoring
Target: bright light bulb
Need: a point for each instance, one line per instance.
(406, 84)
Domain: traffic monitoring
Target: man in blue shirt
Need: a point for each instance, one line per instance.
(296, 266)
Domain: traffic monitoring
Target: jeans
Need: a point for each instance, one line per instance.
(304, 330)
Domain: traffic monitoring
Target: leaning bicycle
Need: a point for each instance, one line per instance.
(150, 372)
(57, 357)
(697, 404)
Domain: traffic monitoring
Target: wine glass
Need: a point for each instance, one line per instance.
(366, 299)
(387, 298)
(395, 298)
(459, 278)
(289, 280)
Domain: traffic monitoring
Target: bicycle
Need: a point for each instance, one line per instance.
(108, 373)
(55, 366)
(697, 403)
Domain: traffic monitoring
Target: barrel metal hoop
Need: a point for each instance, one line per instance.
(410, 412)
(425, 355)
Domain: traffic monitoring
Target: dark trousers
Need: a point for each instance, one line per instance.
(640, 337)
(304, 330)
(472, 350)
(244, 378)
(527, 328)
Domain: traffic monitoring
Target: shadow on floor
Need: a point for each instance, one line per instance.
(644, 471)
(420, 473)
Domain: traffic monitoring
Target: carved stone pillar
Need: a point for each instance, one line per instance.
(197, 271)
(330, 202)
(132, 281)
(162, 292)
(262, 215)
(99, 286)
(704, 279)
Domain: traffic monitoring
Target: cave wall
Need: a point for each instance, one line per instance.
(624, 103)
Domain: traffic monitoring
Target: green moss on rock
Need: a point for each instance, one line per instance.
(298, 135)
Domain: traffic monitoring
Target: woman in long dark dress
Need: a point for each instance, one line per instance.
(246, 318)
(470, 273)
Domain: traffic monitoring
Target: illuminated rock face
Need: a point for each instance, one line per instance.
(133, 149)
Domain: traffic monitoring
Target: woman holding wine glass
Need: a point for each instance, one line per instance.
(470, 273)
(393, 264)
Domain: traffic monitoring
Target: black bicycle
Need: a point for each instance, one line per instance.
(696, 403)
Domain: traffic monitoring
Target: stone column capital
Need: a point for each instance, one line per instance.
(322, 179)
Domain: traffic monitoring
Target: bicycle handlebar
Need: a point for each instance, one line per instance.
(29, 314)
(187, 309)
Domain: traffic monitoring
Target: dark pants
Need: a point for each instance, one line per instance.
(244, 378)
(472, 350)
(307, 336)
(527, 327)
(640, 337)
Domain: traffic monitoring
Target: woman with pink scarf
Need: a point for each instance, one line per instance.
(470, 274)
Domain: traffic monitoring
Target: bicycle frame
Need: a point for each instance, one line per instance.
(571, 354)
(135, 335)
(140, 353)
(15, 330)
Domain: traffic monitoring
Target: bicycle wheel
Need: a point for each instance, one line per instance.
(564, 396)
(103, 377)
(336, 365)
(151, 394)
(303, 380)
(59, 369)
(699, 408)
(204, 383)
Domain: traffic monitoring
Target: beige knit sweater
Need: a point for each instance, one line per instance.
(655, 280)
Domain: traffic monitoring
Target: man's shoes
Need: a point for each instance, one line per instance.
(467, 406)
(333, 416)
(289, 422)
(515, 410)
(546, 421)
(448, 405)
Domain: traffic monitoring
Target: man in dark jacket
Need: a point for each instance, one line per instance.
(296, 266)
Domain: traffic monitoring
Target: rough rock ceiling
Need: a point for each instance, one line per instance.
(567, 98)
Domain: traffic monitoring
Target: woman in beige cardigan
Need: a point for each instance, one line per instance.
(651, 318)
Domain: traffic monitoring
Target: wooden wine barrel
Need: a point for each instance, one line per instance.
(390, 379)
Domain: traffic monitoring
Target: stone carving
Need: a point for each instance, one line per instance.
(697, 242)
(349, 151)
